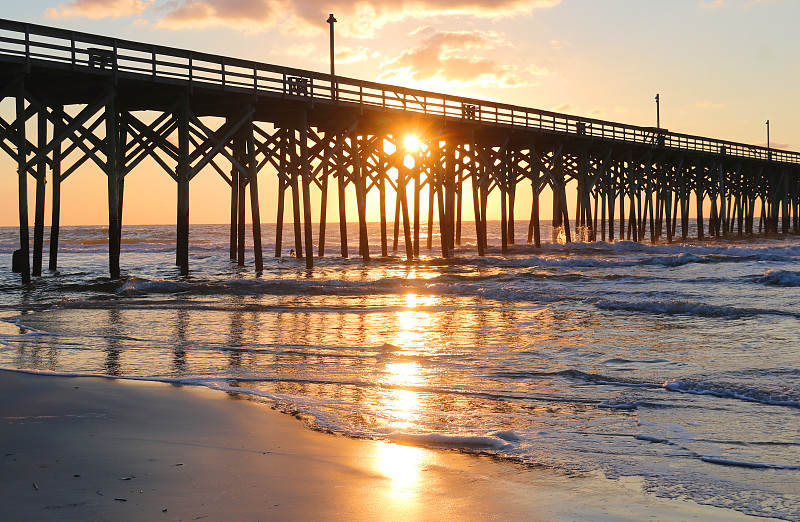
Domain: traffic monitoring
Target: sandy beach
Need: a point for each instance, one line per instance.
(77, 448)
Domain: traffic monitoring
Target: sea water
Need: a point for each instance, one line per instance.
(678, 364)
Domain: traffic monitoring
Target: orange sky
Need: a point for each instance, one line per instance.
(722, 68)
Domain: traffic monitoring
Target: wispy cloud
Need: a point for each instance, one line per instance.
(535, 70)
(707, 104)
(360, 18)
(343, 53)
(713, 4)
(565, 107)
(450, 56)
(764, 2)
(96, 9)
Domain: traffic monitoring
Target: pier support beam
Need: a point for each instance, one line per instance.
(182, 173)
(23, 257)
(252, 173)
(40, 176)
(55, 216)
(112, 173)
(341, 179)
(305, 174)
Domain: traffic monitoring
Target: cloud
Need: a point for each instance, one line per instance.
(774, 145)
(450, 56)
(565, 107)
(344, 54)
(597, 112)
(96, 9)
(245, 15)
(300, 50)
(764, 2)
(706, 104)
(359, 18)
(364, 18)
(713, 4)
(535, 70)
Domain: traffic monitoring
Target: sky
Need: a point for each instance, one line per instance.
(721, 67)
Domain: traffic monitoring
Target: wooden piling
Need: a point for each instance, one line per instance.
(476, 182)
(417, 188)
(283, 172)
(396, 236)
(535, 225)
(323, 205)
(234, 229)
(293, 173)
(431, 177)
(252, 172)
(239, 155)
(113, 174)
(41, 173)
(501, 174)
(359, 177)
(182, 250)
(305, 165)
(402, 183)
(22, 174)
(341, 177)
(381, 173)
(459, 197)
(55, 217)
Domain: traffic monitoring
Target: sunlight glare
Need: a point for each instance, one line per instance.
(412, 143)
(403, 466)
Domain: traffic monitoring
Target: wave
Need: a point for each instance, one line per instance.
(785, 397)
(784, 278)
(630, 405)
(441, 440)
(577, 375)
(742, 464)
(138, 286)
(676, 307)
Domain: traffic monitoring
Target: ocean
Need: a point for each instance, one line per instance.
(677, 364)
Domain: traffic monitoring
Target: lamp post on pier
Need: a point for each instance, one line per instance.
(332, 20)
(769, 152)
(658, 112)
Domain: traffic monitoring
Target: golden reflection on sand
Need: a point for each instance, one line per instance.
(403, 466)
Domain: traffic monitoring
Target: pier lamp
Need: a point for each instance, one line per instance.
(767, 133)
(658, 112)
(769, 153)
(332, 20)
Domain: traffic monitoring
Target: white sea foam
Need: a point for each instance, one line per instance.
(784, 397)
(752, 465)
(674, 307)
(784, 278)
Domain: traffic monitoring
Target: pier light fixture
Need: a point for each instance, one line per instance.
(332, 20)
(767, 134)
(658, 112)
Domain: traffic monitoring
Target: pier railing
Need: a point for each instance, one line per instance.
(31, 44)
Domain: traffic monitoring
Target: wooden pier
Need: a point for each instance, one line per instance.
(116, 102)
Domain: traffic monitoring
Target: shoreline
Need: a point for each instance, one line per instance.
(104, 448)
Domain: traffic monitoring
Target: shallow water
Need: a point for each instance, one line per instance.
(678, 363)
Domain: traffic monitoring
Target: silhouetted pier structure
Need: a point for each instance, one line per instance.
(116, 102)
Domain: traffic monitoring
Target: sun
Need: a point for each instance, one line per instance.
(412, 143)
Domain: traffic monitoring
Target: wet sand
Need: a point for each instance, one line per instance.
(91, 448)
